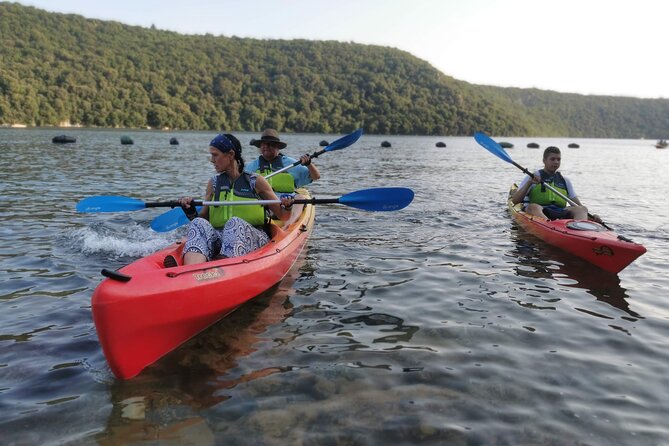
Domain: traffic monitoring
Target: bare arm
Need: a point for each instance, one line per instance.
(208, 196)
(522, 191)
(314, 174)
(266, 193)
(204, 212)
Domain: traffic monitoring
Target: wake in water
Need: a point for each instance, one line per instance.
(128, 240)
(661, 233)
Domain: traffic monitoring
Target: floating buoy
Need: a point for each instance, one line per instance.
(533, 145)
(573, 146)
(506, 145)
(174, 141)
(125, 139)
(385, 144)
(440, 144)
(63, 139)
(324, 143)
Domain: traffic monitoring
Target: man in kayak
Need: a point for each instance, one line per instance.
(543, 202)
(230, 231)
(271, 160)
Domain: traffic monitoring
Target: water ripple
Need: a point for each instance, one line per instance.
(443, 323)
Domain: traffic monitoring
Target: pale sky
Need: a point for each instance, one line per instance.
(609, 47)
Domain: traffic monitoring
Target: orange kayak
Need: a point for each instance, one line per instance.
(145, 309)
(583, 238)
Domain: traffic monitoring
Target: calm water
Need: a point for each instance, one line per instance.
(439, 324)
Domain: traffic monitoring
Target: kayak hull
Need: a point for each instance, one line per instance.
(140, 320)
(585, 239)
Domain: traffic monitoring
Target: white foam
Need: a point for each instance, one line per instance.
(130, 241)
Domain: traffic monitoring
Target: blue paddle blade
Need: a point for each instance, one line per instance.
(170, 220)
(492, 146)
(344, 141)
(379, 199)
(110, 203)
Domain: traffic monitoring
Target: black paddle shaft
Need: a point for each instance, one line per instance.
(316, 200)
(524, 169)
(165, 204)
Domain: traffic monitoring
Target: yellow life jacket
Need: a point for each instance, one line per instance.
(282, 182)
(543, 196)
(241, 190)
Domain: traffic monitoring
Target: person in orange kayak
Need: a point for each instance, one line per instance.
(271, 160)
(230, 231)
(543, 202)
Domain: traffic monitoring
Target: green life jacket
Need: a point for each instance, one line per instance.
(543, 196)
(282, 182)
(241, 190)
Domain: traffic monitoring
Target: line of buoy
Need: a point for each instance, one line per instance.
(125, 140)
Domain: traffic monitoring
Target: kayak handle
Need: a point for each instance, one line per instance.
(115, 275)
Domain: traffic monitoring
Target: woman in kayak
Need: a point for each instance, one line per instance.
(230, 231)
(543, 202)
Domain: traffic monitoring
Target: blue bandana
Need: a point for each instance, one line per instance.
(222, 143)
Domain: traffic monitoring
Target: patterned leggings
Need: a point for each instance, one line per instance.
(235, 239)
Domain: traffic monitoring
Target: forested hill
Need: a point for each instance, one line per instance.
(58, 68)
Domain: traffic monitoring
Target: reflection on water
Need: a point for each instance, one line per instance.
(405, 334)
(537, 259)
(179, 398)
(163, 401)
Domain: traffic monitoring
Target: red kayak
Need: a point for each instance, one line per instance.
(147, 309)
(583, 238)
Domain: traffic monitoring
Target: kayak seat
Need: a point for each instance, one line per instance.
(275, 221)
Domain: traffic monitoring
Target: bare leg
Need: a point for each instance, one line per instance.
(535, 210)
(191, 258)
(578, 212)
